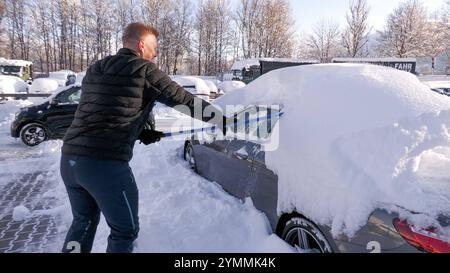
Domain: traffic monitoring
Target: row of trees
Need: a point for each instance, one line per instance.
(204, 36)
(196, 36)
(409, 32)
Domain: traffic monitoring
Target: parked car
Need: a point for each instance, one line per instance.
(12, 84)
(441, 87)
(325, 172)
(51, 119)
(239, 167)
(44, 85)
(214, 91)
(48, 120)
(64, 77)
(194, 85)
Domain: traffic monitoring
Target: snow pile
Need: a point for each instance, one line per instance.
(12, 84)
(355, 138)
(44, 85)
(229, 86)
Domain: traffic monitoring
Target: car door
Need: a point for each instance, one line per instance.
(60, 115)
(229, 162)
(263, 188)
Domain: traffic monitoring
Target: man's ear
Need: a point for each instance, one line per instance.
(141, 46)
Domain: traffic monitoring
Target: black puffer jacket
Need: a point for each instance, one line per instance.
(118, 95)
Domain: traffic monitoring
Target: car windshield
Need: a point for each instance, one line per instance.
(11, 69)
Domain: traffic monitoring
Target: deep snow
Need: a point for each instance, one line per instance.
(354, 138)
(179, 210)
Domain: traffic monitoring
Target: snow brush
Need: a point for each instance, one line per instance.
(213, 128)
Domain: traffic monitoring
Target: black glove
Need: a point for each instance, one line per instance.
(150, 136)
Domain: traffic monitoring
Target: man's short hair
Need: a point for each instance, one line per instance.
(134, 32)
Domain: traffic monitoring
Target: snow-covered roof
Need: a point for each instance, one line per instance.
(212, 86)
(228, 86)
(4, 61)
(363, 60)
(44, 85)
(356, 137)
(201, 88)
(12, 84)
(239, 65)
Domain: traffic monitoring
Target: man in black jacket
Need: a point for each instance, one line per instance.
(118, 95)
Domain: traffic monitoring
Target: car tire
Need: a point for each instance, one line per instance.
(33, 134)
(305, 236)
(190, 157)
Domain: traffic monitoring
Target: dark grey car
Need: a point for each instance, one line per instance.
(239, 167)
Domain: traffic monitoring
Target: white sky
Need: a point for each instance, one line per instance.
(307, 13)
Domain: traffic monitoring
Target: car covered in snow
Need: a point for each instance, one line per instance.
(44, 85)
(194, 85)
(441, 87)
(339, 157)
(228, 86)
(12, 84)
(63, 77)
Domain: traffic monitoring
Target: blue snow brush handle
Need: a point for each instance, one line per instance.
(234, 124)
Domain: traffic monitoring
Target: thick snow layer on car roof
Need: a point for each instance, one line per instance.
(354, 138)
(201, 88)
(12, 84)
(228, 86)
(44, 85)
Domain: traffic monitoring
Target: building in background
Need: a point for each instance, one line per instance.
(404, 64)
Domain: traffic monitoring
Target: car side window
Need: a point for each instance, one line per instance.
(71, 96)
(245, 122)
(269, 117)
(75, 96)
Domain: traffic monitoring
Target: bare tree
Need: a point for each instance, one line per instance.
(2, 30)
(405, 32)
(213, 36)
(356, 34)
(266, 28)
(324, 42)
(18, 29)
(436, 42)
(247, 17)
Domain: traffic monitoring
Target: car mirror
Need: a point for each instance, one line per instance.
(54, 102)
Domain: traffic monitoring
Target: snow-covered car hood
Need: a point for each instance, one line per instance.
(354, 138)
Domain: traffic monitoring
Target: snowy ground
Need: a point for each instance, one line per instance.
(179, 211)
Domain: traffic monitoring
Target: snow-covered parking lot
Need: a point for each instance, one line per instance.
(179, 211)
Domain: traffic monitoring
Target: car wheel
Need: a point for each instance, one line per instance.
(33, 134)
(305, 237)
(189, 156)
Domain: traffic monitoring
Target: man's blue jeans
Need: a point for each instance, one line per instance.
(105, 186)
